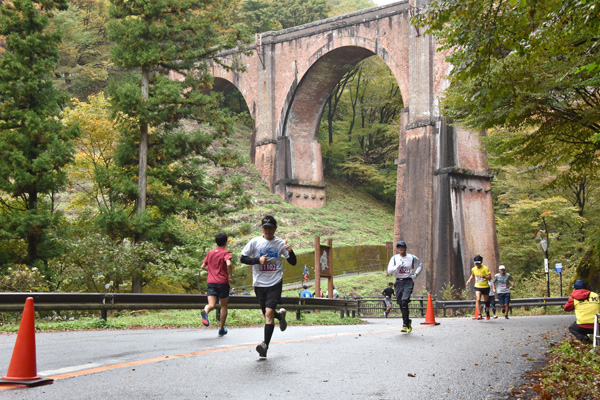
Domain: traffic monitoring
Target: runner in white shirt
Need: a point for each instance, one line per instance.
(264, 254)
(405, 267)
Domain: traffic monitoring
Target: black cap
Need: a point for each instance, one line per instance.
(478, 258)
(401, 243)
(579, 284)
(268, 221)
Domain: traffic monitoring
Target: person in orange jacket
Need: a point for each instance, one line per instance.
(586, 304)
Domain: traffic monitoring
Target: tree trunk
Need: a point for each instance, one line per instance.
(143, 156)
(136, 277)
(33, 236)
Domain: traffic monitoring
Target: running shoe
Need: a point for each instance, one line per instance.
(506, 316)
(495, 317)
(409, 329)
(385, 314)
(404, 329)
(204, 318)
(223, 332)
(262, 349)
(488, 317)
(282, 321)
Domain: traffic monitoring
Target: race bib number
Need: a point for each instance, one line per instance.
(268, 267)
(479, 278)
(502, 285)
(403, 270)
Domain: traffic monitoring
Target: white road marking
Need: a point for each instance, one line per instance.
(68, 369)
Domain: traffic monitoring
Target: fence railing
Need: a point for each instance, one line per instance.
(528, 302)
(105, 302)
(374, 306)
(369, 268)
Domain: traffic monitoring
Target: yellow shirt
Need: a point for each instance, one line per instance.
(479, 274)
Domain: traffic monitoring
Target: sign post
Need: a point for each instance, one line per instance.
(559, 271)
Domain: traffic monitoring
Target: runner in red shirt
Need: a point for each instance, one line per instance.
(220, 270)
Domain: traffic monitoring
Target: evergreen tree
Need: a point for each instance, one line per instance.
(179, 129)
(34, 145)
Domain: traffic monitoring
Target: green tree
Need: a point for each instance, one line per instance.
(530, 70)
(272, 15)
(84, 67)
(34, 145)
(358, 133)
(338, 7)
(179, 128)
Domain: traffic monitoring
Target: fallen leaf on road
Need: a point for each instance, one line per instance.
(412, 375)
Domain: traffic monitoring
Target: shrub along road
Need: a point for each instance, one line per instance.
(459, 359)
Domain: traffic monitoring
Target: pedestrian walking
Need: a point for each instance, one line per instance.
(586, 305)
(502, 284)
(388, 295)
(405, 267)
(220, 271)
(305, 273)
(264, 254)
(482, 275)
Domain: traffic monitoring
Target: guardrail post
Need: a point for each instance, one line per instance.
(103, 310)
(298, 314)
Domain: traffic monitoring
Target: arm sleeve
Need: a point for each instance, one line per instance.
(292, 258)
(250, 260)
(391, 266)
(570, 306)
(419, 267)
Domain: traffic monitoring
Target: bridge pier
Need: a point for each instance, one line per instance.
(444, 208)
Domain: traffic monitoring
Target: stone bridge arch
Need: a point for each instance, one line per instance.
(444, 207)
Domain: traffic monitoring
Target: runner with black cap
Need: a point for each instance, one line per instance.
(405, 267)
(264, 254)
(482, 275)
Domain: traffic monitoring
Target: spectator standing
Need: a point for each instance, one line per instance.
(305, 292)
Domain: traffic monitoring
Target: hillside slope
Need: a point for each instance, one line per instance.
(350, 216)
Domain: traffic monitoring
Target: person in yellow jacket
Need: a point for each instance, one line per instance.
(586, 304)
(482, 275)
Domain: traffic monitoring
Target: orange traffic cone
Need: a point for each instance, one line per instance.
(429, 316)
(22, 370)
(476, 313)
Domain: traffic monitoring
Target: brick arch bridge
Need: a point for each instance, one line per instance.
(444, 205)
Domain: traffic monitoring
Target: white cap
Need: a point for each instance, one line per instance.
(502, 267)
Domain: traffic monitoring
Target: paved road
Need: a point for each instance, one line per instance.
(459, 359)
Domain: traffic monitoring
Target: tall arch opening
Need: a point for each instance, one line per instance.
(342, 122)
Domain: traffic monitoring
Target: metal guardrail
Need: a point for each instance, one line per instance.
(528, 302)
(374, 306)
(147, 301)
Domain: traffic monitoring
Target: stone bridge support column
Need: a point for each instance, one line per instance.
(265, 141)
(444, 208)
